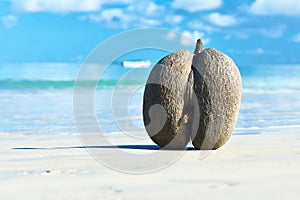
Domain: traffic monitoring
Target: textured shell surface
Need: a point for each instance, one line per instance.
(164, 99)
(192, 96)
(217, 84)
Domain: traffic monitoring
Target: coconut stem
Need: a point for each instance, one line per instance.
(199, 46)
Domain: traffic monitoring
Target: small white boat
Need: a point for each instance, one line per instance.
(136, 63)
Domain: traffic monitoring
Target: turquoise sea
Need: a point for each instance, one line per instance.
(37, 98)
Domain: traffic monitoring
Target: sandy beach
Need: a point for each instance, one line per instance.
(262, 166)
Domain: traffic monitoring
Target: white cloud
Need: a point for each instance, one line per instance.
(118, 18)
(121, 13)
(187, 38)
(296, 38)
(190, 38)
(56, 5)
(170, 36)
(153, 9)
(222, 20)
(275, 32)
(149, 22)
(174, 19)
(201, 26)
(143, 13)
(272, 7)
(9, 21)
(62, 5)
(147, 8)
(196, 5)
(111, 17)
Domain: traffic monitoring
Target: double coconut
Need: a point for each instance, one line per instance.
(192, 96)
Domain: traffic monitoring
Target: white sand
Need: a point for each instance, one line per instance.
(247, 167)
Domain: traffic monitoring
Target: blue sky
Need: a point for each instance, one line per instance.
(251, 31)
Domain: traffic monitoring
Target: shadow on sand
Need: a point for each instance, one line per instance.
(137, 147)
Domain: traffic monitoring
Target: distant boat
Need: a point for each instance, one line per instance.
(136, 63)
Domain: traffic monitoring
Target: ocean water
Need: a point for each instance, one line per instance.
(38, 99)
